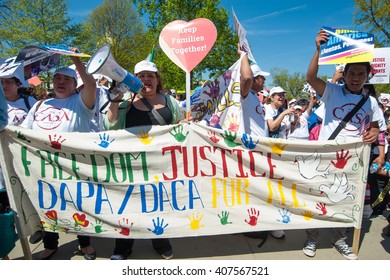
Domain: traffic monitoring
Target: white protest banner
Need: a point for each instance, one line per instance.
(241, 32)
(380, 66)
(180, 180)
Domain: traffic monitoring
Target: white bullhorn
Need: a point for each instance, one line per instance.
(103, 63)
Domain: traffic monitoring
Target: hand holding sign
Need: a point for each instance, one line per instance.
(187, 43)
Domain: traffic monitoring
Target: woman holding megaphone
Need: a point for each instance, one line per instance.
(150, 107)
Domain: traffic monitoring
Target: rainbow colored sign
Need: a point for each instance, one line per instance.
(346, 46)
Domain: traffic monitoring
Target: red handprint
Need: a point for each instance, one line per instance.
(56, 143)
(253, 216)
(342, 159)
(213, 137)
(125, 230)
(322, 207)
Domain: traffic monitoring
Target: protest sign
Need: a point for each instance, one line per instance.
(380, 66)
(180, 180)
(241, 32)
(219, 100)
(346, 46)
(187, 44)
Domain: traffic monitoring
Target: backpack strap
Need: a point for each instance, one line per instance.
(348, 117)
(25, 99)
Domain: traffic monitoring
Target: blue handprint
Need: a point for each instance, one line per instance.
(195, 98)
(285, 213)
(248, 142)
(105, 140)
(158, 227)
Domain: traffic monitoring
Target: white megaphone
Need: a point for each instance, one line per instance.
(103, 63)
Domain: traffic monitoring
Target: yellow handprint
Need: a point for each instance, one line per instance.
(276, 148)
(143, 136)
(307, 214)
(195, 221)
(233, 122)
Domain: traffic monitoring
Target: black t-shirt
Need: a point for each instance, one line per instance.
(136, 117)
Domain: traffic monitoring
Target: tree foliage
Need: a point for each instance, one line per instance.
(39, 22)
(219, 59)
(374, 16)
(116, 23)
(292, 83)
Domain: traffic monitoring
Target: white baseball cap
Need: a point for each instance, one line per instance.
(277, 90)
(297, 107)
(292, 101)
(264, 93)
(18, 73)
(67, 72)
(256, 71)
(145, 65)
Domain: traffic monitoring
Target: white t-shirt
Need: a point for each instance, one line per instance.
(101, 100)
(17, 111)
(337, 103)
(63, 115)
(301, 131)
(271, 114)
(252, 116)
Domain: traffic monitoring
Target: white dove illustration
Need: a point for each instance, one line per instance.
(308, 166)
(339, 190)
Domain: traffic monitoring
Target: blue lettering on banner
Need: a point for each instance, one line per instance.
(177, 195)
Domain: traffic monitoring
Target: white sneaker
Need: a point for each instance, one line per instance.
(310, 247)
(345, 251)
(278, 234)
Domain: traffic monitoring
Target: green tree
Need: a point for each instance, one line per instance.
(292, 83)
(374, 17)
(39, 22)
(219, 59)
(116, 23)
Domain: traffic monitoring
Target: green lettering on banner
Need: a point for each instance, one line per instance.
(25, 162)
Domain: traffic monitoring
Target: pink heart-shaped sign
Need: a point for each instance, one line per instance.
(187, 43)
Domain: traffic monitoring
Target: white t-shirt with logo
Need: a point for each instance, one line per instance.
(337, 103)
(252, 116)
(271, 113)
(17, 111)
(62, 115)
(301, 131)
